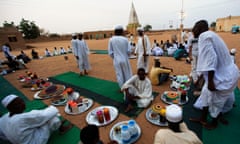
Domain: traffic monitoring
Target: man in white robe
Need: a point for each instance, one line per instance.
(32, 127)
(82, 52)
(119, 50)
(138, 88)
(74, 44)
(178, 132)
(143, 50)
(220, 73)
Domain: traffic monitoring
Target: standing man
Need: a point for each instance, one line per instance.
(74, 43)
(143, 50)
(220, 74)
(119, 50)
(82, 54)
(193, 56)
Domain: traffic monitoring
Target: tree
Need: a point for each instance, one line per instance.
(6, 24)
(147, 27)
(29, 29)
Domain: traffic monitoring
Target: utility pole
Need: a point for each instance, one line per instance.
(181, 22)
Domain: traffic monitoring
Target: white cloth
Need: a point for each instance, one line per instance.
(6, 51)
(214, 56)
(140, 51)
(119, 50)
(55, 52)
(167, 136)
(33, 127)
(62, 51)
(8, 99)
(171, 50)
(74, 44)
(157, 51)
(141, 88)
(82, 52)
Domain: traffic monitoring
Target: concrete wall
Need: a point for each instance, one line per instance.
(12, 36)
(225, 24)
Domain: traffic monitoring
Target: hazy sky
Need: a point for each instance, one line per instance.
(68, 16)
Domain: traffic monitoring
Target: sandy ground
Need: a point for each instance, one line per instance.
(102, 67)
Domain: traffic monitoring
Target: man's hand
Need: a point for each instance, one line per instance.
(77, 57)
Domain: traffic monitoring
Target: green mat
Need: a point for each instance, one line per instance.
(223, 134)
(71, 137)
(102, 91)
(99, 51)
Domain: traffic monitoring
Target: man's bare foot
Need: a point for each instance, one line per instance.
(223, 121)
(64, 128)
(210, 126)
(198, 120)
(130, 107)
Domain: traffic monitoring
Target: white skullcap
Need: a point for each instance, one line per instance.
(74, 34)
(8, 99)
(118, 27)
(140, 29)
(174, 113)
(233, 51)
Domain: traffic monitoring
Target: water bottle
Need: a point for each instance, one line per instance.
(125, 134)
(132, 128)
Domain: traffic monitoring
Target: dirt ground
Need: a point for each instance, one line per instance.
(102, 67)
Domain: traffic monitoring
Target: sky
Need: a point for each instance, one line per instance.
(69, 16)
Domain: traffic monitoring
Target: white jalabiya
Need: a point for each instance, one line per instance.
(74, 43)
(119, 50)
(140, 51)
(82, 52)
(141, 88)
(33, 127)
(214, 56)
(167, 136)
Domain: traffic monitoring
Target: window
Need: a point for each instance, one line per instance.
(12, 38)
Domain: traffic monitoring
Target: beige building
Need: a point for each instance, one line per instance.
(225, 24)
(12, 36)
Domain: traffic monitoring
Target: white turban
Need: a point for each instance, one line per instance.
(174, 113)
(140, 29)
(8, 99)
(233, 51)
(118, 27)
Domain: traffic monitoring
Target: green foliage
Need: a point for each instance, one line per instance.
(29, 29)
(147, 27)
(6, 24)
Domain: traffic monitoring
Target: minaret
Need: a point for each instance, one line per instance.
(133, 23)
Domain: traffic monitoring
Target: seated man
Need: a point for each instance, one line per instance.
(138, 88)
(32, 127)
(34, 54)
(178, 133)
(159, 74)
(157, 51)
(90, 135)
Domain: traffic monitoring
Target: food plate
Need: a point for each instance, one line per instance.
(40, 98)
(117, 135)
(92, 117)
(60, 102)
(86, 104)
(163, 98)
(155, 120)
